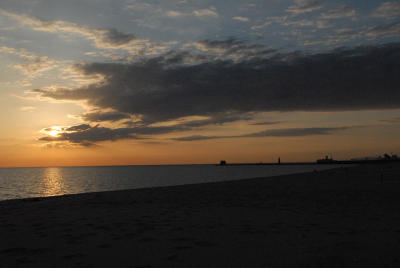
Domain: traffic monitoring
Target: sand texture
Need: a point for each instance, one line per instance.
(346, 217)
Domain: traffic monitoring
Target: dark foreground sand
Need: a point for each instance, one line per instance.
(336, 218)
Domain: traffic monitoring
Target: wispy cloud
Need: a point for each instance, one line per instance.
(32, 65)
(387, 30)
(286, 132)
(295, 132)
(201, 13)
(175, 14)
(341, 12)
(102, 38)
(87, 135)
(216, 119)
(101, 116)
(264, 23)
(303, 6)
(243, 19)
(379, 32)
(291, 22)
(36, 65)
(388, 10)
(199, 138)
(236, 49)
(263, 123)
(207, 12)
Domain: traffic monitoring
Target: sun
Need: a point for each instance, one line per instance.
(53, 131)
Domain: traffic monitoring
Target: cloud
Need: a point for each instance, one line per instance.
(285, 132)
(191, 123)
(303, 6)
(301, 23)
(387, 30)
(81, 127)
(239, 18)
(218, 45)
(175, 14)
(289, 21)
(323, 24)
(166, 88)
(99, 116)
(199, 138)
(36, 65)
(33, 65)
(261, 26)
(113, 37)
(295, 132)
(264, 23)
(90, 135)
(233, 48)
(102, 38)
(208, 12)
(266, 123)
(319, 22)
(216, 119)
(388, 10)
(87, 135)
(341, 12)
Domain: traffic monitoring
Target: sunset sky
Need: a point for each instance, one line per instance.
(101, 82)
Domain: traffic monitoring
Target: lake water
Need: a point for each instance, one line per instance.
(49, 181)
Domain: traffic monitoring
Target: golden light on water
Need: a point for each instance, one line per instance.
(53, 182)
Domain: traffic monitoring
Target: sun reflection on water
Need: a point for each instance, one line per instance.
(53, 181)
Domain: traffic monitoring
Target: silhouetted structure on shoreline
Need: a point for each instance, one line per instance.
(326, 160)
(366, 160)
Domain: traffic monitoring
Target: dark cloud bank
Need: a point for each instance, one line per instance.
(86, 135)
(172, 86)
(100, 116)
(283, 132)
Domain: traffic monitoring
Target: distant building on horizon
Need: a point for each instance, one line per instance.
(377, 158)
(326, 160)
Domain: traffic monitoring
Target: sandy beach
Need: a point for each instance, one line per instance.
(345, 217)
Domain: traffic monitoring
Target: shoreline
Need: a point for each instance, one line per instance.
(206, 184)
(341, 217)
(331, 162)
(146, 177)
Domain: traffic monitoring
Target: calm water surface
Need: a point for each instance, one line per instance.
(50, 181)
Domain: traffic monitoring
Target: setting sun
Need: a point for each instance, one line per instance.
(53, 131)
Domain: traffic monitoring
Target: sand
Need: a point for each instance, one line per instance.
(344, 217)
